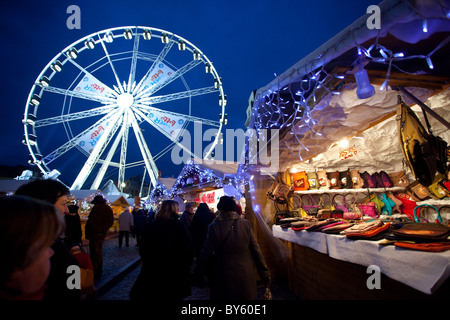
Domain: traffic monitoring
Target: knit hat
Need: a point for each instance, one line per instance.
(226, 204)
(98, 199)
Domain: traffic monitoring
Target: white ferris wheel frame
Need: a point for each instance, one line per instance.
(118, 109)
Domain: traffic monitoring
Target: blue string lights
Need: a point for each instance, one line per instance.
(288, 106)
(194, 174)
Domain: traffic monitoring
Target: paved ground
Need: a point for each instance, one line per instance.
(121, 266)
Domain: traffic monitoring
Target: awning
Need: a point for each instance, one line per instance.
(314, 103)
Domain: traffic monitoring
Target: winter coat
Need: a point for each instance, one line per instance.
(73, 230)
(167, 254)
(100, 220)
(126, 221)
(187, 217)
(233, 260)
(140, 220)
(199, 228)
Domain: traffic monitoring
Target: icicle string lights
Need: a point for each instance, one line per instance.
(284, 107)
(190, 170)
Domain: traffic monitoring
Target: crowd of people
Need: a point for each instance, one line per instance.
(43, 237)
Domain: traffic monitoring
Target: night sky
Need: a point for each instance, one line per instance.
(247, 41)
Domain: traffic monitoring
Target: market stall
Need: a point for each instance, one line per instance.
(349, 91)
(159, 193)
(118, 204)
(206, 181)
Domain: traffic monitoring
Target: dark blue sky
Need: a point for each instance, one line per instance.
(248, 42)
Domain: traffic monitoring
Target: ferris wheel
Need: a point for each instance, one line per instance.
(121, 99)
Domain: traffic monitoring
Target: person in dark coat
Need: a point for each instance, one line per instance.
(202, 219)
(236, 256)
(100, 220)
(140, 220)
(73, 227)
(188, 215)
(56, 193)
(167, 254)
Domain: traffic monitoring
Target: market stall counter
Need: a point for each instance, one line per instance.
(332, 266)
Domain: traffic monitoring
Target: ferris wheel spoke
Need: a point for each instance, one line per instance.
(164, 151)
(161, 56)
(74, 116)
(97, 152)
(186, 117)
(112, 65)
(107, 162)
(145, 151)
(132, 76)
(123, 152)
(173, 138)
(80, 95)
(177, 74)
(177, 96)
(76, 140)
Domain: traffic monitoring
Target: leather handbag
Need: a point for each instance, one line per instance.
(326, 204)
(335, 229)
(357, 181)
(363, 227)
(437, 188)
(419, 190)
(438, 246)
(380, 204)
(313, 181)
(324, 183)
(376, 233)
(342, 206)
(369, 209)
(312, 208)
(300, 181)
(399, 179)
(408, 204)
(354, 212)
(335, 182)
(337, 214)
(422, 232)
(389, 205)
(346, 180)
(324, 214)
(416, 214)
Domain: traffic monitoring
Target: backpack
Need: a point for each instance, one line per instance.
(425, 154)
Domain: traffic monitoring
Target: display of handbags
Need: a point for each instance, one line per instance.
(377, 211)
(349, 179)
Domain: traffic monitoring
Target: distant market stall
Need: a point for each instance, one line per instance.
(206, 181)
(116, 200)
(334, 114)
(160, 192)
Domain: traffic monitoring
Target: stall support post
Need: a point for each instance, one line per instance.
(423, 106)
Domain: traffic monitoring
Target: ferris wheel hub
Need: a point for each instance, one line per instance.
(125, 100)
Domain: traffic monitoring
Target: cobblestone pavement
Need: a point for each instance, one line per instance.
(121, 266)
